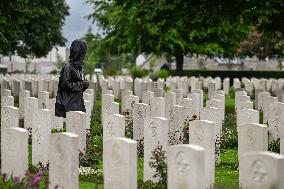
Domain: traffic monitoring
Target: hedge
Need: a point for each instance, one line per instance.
(232, 74)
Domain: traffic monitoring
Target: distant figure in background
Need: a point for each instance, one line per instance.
(166, 66)
(72, 83)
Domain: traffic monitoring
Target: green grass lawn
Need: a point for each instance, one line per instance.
(227, 174)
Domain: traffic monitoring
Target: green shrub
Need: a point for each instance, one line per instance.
(229, 136)
(111, 70)
(164, 74)
(231, 74)
(274, 146)
(138, 72)
(158, 162)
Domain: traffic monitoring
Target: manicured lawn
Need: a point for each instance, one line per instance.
(227, 174)
(89, 185)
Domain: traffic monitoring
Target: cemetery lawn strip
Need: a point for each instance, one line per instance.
(229, 105)
(227, 173)
(89, 185)
(140, 169)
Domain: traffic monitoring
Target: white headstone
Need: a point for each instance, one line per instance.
(64, 161)
(186, 167)
(170, 101)
(176, 124)
(7, 101)
(120, 163)
(114, 126)
(246, 116)
(9, 117)
(155, 134)
(158, 107)
(202, 133)
(30, 112)
(261, 170)
(252, 137)
(76, 123)
(140, 112)
(40, 137)
(14, 151)
(23, 94)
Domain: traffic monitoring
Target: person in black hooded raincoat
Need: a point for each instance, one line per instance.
(72, 83)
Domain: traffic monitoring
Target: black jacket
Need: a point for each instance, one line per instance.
(71, 85)
(70, 91)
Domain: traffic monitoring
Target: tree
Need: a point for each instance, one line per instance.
(212, 28)
(31, 27)
(98, 51)
(260, 44)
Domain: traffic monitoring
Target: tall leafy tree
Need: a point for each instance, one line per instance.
(179, 27)
(31, 27)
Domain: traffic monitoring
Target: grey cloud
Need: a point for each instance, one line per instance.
(76, 25)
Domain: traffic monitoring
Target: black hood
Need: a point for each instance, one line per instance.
(78, 52)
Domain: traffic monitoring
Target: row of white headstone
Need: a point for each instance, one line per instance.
(151, 125)
(60, 150)
(252, 136)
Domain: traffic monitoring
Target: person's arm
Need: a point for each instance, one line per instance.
(67, 84)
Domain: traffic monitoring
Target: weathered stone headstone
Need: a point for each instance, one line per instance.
(155, 134)
(30, 112)
(7, 101)
(158, 107)
(202, 133)
(14, 151)
(76, 123)
(6, 92)
(140, 112)
(116, 89)
(170, 101)
(114, 126)
(186, 167)
(226, 85)
(282, 147)
(187, 105)
(252, 137)
(212, 114)
(247, 116)
(215, 103)
(127, 105)
(176, 123)
(147, 96)
(43, 100)
(40, 137)
(64, 161)
(23, 94)
(56, 122)
(244, 105)
(261, 100)
(88, 106)
(34, 92)
(274, 123)
(120, 163)
(211, 89)
(195, 103)
(106, 100)
(15, 88)
(261, 170)
(257, 91)
(201, 96)
(267, 107)
(9, 117)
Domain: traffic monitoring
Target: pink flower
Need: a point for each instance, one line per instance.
(36, 181)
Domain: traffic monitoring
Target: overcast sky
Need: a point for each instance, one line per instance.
(76, 25)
